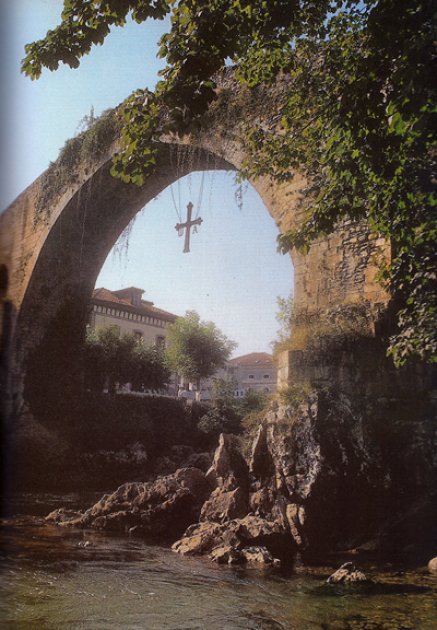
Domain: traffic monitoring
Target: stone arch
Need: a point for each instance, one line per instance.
(55, 250)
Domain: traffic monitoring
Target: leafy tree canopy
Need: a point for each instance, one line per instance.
(357, 115)
(196, 349)
(111, 358)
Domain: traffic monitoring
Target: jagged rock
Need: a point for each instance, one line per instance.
(259, 555)
(262, 501)
(229, 466)
(251, 528)
(200, 539)
(252, 555)
(63, 516)
(159, 509)
(296, 521)
(250, 531)
(432, 565)
(261, 465)
(348, 573)
(225, 505)
(295, 451)
(226, 555)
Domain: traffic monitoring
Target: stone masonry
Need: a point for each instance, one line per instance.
(54, 253)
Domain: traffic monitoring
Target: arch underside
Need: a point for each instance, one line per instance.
(52, 317)
(52, 300)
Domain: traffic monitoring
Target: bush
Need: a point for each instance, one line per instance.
(295, 395)
(329, 330)
(253, 401)
(218, 419)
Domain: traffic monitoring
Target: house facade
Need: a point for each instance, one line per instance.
(252, 372)
(125, 310)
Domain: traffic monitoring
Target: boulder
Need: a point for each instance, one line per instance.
(225, 505)
(348, 574)
(201, 539)
(226, 554)
(432, 565)
(259, 555)
(261, 501)
(248, 532)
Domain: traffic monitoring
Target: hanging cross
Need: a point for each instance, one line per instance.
(187, 225)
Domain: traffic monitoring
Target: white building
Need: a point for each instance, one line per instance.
(126, 311)
(252, 372)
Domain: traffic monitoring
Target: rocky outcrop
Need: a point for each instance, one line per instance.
(159, 510)
(239, 516)
(320, 479)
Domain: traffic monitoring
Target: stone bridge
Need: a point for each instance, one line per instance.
(56, 236)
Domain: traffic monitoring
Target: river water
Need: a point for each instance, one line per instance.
(55, 578)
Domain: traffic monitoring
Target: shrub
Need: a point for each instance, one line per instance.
(218, 420)
(294, 395)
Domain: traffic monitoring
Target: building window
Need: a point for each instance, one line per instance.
(251, 376)
(138, 334)
(266, 376)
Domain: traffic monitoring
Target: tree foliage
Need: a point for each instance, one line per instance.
(111, 359)
(357, 115)
(196, 349)
(284, 317)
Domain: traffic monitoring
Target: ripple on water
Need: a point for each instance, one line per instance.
(52, 580)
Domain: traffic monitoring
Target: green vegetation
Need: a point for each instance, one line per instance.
(295, 395)
(91, 144)
(333, 329)
(111, 359)
(196, 349)
(284, 317)
(356, 115)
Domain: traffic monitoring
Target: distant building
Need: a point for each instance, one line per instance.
(125, 310)
(252, 372)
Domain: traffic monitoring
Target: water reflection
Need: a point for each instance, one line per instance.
(59, 578)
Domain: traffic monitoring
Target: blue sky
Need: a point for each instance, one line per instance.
(233, 273)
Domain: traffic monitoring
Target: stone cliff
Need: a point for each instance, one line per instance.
(321, 478)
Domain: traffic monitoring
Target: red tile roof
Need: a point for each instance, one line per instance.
(254, 358)
(146, 308)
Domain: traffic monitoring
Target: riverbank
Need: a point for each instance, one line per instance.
(56, 577)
